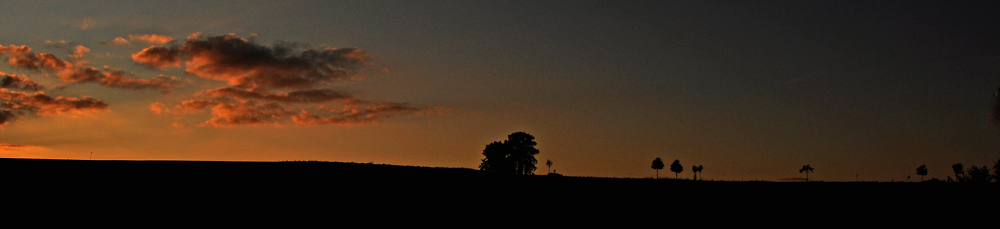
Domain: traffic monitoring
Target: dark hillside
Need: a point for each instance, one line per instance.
(195, 182)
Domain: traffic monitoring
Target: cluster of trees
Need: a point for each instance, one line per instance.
(973, 174)
(676, 167)
(516, 155)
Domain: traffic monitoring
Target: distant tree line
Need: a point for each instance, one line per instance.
(675, 167)
(973, 174)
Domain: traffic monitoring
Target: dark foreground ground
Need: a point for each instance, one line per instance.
(206, 185)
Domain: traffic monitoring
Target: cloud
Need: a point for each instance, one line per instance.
(5, 146)
(158, 57)
(15, 104)
(365, 115)
(151, 38)
(246, 64)
(6, 115)
(117, 41)
(230, 114)
(87, 23)
(79, 51)
(16, 81)
(246, 113)
(187, 106)
(268, 84)
(117, 79)
(302, 96)
(23, 57)
(42, 104)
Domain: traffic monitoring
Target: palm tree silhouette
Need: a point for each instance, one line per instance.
(807, 169)
(549, 163)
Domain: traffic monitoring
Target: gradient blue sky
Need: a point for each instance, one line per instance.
(751, 90)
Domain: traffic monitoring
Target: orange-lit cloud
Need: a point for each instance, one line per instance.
(302, 96)
(42, 104)
(268, 82)
(230, 114)
(158, 57)
(187, 106)
(246, 64)
(246, 113)
(5, 146)
(117, 79)
(365, 115)
(151, 38)
(117, 41)
(15, 104)
(16, 81)
(79, 51)
(23, 57)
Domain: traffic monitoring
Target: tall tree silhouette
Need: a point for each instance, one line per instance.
(807, 169)
(515, 155)
(657, 165)
(694, 170)
(522, 146)
(549, 163)
(677, 168)
(922, 171)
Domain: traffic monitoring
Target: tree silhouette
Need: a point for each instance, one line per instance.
(978, 175)
(516, 155)
(657, 165)
(696, 169)
(677, 168)
(522, 152)
(922, 171)
(549, 163)
(959, 172)
(807, 169)
(496, 159)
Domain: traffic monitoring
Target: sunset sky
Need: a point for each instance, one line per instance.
(751, 90)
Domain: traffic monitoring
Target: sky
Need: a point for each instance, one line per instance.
(866, 90)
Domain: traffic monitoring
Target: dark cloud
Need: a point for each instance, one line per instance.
(246, 64)
(6, 116)
(16, 81)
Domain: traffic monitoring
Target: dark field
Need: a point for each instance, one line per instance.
(143, 184)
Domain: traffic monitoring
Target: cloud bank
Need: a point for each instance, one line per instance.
(272, 85)
(78, 72)
(16, 103)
